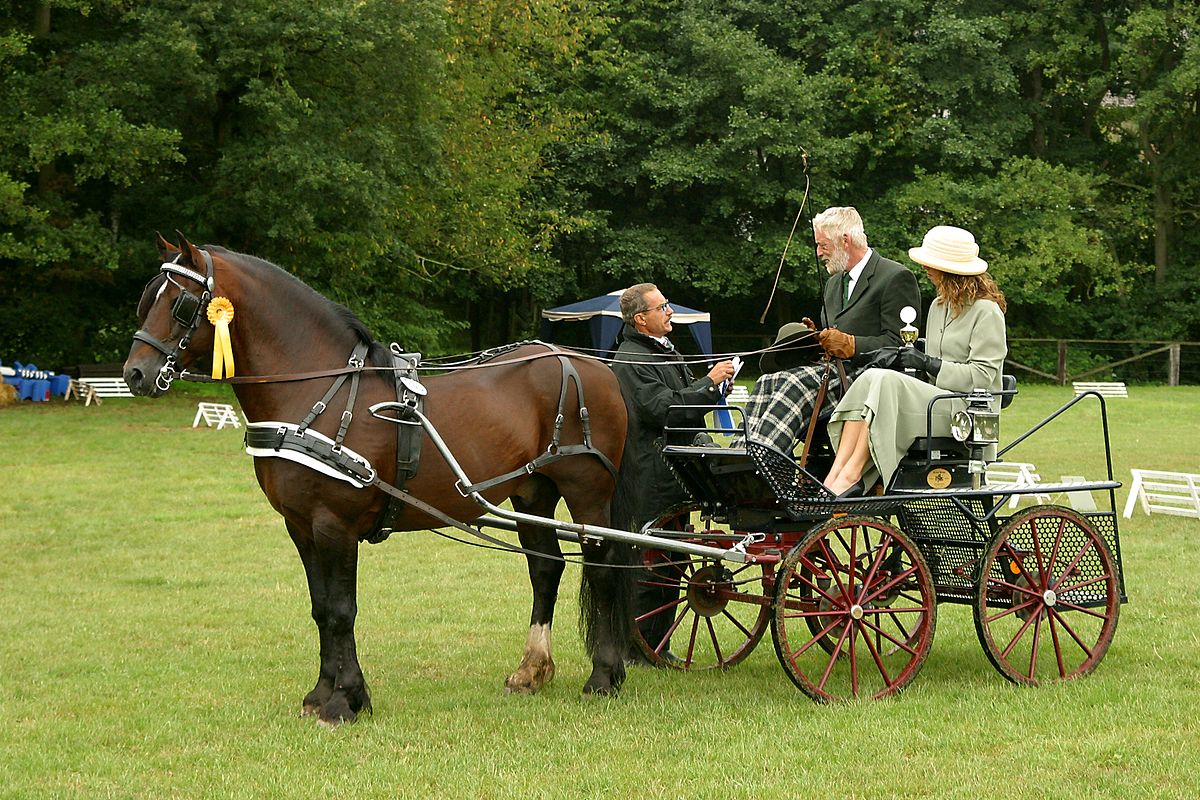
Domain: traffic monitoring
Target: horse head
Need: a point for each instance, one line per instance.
(174, 330)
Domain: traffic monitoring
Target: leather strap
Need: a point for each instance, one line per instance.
(816, 412)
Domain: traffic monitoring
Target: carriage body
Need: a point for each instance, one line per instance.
(849, 587)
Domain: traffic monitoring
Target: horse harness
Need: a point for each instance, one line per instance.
(330, 457)
(186, 311)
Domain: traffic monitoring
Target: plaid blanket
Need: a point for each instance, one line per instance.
(781, 405)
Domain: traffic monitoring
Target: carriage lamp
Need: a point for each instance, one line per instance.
(976, 425)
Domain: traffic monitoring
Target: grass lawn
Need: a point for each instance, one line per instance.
(155, 642)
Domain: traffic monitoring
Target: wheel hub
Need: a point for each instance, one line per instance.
(706, 588)
(1049, 598)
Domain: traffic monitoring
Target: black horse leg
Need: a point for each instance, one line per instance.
(538, 496)
(605, 595)
(337, 559)
(341, 692)
(323, 689)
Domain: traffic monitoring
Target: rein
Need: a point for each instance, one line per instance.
(288, 377)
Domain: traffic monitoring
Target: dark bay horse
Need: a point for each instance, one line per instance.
(494, 420)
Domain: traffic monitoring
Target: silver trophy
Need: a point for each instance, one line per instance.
(909, 333)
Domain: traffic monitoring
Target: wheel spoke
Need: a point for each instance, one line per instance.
(1087, 545)
(855, 635)
(712, 635)
(1081, 609)
(1033, 651)
(814, 569)
(1061, 590)
(1013, 609)
(878, 659)
(887, 586)
(903, 645)
(1058, 655)
(1037, 550)
(1020, 632)
(664, 607)
(1016, 587)
(1071, 631)
(879, 558)
(1020, 562)
(835, 569)
(737, 623)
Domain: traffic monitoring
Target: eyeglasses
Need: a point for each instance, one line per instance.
(663, 307)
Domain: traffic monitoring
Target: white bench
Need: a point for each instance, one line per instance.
(738, 394)
(1175, 493)
(219, 414)
(1104, 388)
(93, 389)
(1015, 475)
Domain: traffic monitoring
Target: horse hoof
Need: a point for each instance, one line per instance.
(600, 690)
(529, 681)
(310, 710)
(335, 712)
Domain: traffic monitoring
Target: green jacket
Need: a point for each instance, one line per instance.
(873, 314)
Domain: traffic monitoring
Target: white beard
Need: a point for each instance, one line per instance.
(838, 262)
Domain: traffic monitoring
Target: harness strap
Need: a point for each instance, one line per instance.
(343, 462)
(355, 368)
(816, 412)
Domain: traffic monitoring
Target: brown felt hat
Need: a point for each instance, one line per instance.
(795, 345)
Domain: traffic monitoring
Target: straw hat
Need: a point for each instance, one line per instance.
(795, 345)
(949, 249)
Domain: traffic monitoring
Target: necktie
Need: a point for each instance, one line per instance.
(845, 289)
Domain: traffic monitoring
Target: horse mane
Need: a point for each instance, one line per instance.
(378, 355)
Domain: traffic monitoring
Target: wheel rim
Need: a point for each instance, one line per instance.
(867, 587)
(715, 618)
(1047, 603)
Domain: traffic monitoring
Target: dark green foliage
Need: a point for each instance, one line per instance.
(447, 168)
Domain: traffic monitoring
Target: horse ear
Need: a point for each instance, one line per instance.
(191, 254)
(166, 250)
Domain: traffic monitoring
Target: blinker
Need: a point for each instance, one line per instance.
(185, 309)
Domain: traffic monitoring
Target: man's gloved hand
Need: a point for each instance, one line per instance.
(912, 358)
(808, 323)
(836, 343)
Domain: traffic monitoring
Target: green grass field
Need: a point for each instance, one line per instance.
(155, 642)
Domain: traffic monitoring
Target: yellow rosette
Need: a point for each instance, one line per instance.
(220, 314)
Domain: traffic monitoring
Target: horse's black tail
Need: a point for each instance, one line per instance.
(606, 594)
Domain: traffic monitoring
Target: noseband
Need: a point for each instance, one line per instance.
(186, 311)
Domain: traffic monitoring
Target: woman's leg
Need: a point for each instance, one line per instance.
(851, 458)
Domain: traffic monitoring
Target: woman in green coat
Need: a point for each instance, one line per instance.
(885, 410)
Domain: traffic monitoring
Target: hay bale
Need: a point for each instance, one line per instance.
(8, 394)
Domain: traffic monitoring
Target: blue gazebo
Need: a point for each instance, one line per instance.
(603, 315)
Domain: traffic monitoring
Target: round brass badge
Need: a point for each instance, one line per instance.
(938, 478)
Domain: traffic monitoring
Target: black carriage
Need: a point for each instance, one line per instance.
(850, 587)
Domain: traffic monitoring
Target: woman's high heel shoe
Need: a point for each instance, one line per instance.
(854, 490)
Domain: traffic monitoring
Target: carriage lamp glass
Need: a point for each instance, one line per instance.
(977, 424)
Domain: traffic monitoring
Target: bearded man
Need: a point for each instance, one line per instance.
(860, 313)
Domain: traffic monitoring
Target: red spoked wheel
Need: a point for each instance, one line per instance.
(693, 613)
(1048, 598)
(855, 610)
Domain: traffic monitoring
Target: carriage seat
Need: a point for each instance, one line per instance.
(932, 460)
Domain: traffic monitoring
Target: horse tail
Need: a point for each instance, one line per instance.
(606, 593)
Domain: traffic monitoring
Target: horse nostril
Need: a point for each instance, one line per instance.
(133, 376)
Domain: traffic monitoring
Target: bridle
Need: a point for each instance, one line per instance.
(186, 311)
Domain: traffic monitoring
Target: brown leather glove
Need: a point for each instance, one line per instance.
(808, 323)
(836, 343)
